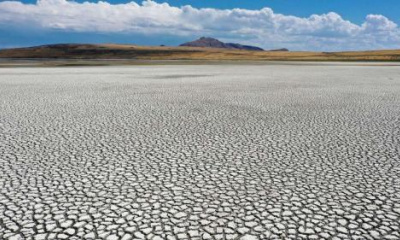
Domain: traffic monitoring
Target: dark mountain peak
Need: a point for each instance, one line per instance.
(205, 42)
(208, 42)
(208, 39)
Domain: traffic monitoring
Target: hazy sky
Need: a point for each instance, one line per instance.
(295, 24)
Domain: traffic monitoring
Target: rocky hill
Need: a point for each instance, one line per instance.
(207, 42)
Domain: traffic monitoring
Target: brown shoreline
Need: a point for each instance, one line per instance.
(11, 63)
(109, 54)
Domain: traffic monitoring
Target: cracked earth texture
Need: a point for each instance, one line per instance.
(200, 152)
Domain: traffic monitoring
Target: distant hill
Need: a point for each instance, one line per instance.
(207, 42)
(135, 52)
(280, 50)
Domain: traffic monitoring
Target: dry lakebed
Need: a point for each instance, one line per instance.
(240, 152)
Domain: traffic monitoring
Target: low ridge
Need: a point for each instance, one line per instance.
(135, 52)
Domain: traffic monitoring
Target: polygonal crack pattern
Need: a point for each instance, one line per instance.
(200, 152)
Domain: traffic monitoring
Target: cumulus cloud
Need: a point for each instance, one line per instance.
(378, 23)
(263, 27)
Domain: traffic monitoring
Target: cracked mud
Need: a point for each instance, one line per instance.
(200, 152)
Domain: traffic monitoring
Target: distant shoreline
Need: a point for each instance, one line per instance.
(132, 54)
(12, 62)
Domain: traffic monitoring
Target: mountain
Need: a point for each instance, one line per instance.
(207, 42)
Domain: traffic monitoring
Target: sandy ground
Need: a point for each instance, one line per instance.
(200, 152)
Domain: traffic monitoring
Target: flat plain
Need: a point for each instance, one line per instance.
(280, 151)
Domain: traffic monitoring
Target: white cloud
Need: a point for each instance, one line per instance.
(378, 23)
(262, 27)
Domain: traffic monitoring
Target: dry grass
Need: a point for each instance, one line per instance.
(117, 51)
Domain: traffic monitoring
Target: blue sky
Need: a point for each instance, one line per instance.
(335, 25)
